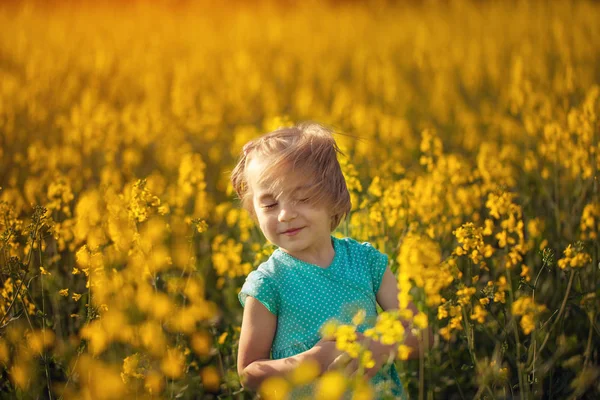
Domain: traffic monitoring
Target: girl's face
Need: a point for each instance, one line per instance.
(289, 221)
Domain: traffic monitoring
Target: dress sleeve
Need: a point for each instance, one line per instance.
(263, 289)
(377, 262)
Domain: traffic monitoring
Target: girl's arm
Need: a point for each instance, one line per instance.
(256, 338)
(387, 297)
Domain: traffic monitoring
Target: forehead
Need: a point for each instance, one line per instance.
(263, 179)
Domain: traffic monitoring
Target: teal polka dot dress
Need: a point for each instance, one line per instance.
(304, 296)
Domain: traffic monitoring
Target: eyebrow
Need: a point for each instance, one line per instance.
(265, 197)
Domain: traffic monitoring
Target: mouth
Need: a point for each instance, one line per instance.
(292, 232)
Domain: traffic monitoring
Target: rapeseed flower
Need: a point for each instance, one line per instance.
(172, 365)
(305, 373)
(274, 388)
(210, 378)
(574, 257)
(202, 343)
(528, 311)
(330, 386)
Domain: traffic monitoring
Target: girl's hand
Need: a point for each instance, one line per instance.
(381, 354)
(326, 353)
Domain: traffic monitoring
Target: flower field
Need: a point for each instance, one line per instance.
(471, 134)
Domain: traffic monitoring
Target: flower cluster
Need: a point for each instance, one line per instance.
(526, 308)
(574, 257)
(590, 221)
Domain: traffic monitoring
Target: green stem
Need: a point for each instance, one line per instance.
(44, 356)
(534, 337)
(588, 348)
(513, 322)
(421, 368)
(33, 236)
(79, 352)
(470, 340)
(462, 396)
(12, 303)
(560, 312)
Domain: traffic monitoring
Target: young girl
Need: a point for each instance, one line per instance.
(291, 183)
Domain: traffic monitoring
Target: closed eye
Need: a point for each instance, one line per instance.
(269, 206)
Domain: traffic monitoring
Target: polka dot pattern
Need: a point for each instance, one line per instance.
(304, 296)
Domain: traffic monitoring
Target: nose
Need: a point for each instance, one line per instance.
(287, 212)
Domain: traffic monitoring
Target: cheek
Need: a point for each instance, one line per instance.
(264, 222)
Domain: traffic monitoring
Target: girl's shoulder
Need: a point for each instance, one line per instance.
(354, 247)
(267, 268)
(363, 260)
(273, 268)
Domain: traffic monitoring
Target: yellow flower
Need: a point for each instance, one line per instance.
(527, 323)
(502, 239)
(274, 388)
(76, 296)
(305, 373)
(528, 310)
(442, 312)
(20, 375)
(201, 226)
(331, 386)
(445, 332)
(152, 337)
(525, 272)
(575, 257)
(154, 383)
(366, 359)
(534, 227)
(489, 227)
(4, 352)
(404, 352)
(172, 365)
(131, 368)
(329, 329)
(362, 391)
(464, 295)
(44, 271)
(210, 378)
(201, 343)
(479, 314)
(63, 292)
(500, 297)
(420, 320)
(40, 339)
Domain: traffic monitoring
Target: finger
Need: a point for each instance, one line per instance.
(364, 375)
(371, 372)
(365, 340)
(339, 362)
(351, 367)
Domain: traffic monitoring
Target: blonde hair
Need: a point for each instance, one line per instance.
(307, 148)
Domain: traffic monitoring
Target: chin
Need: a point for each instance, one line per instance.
(293, 245)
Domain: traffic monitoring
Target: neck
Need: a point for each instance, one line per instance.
(322, 257)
